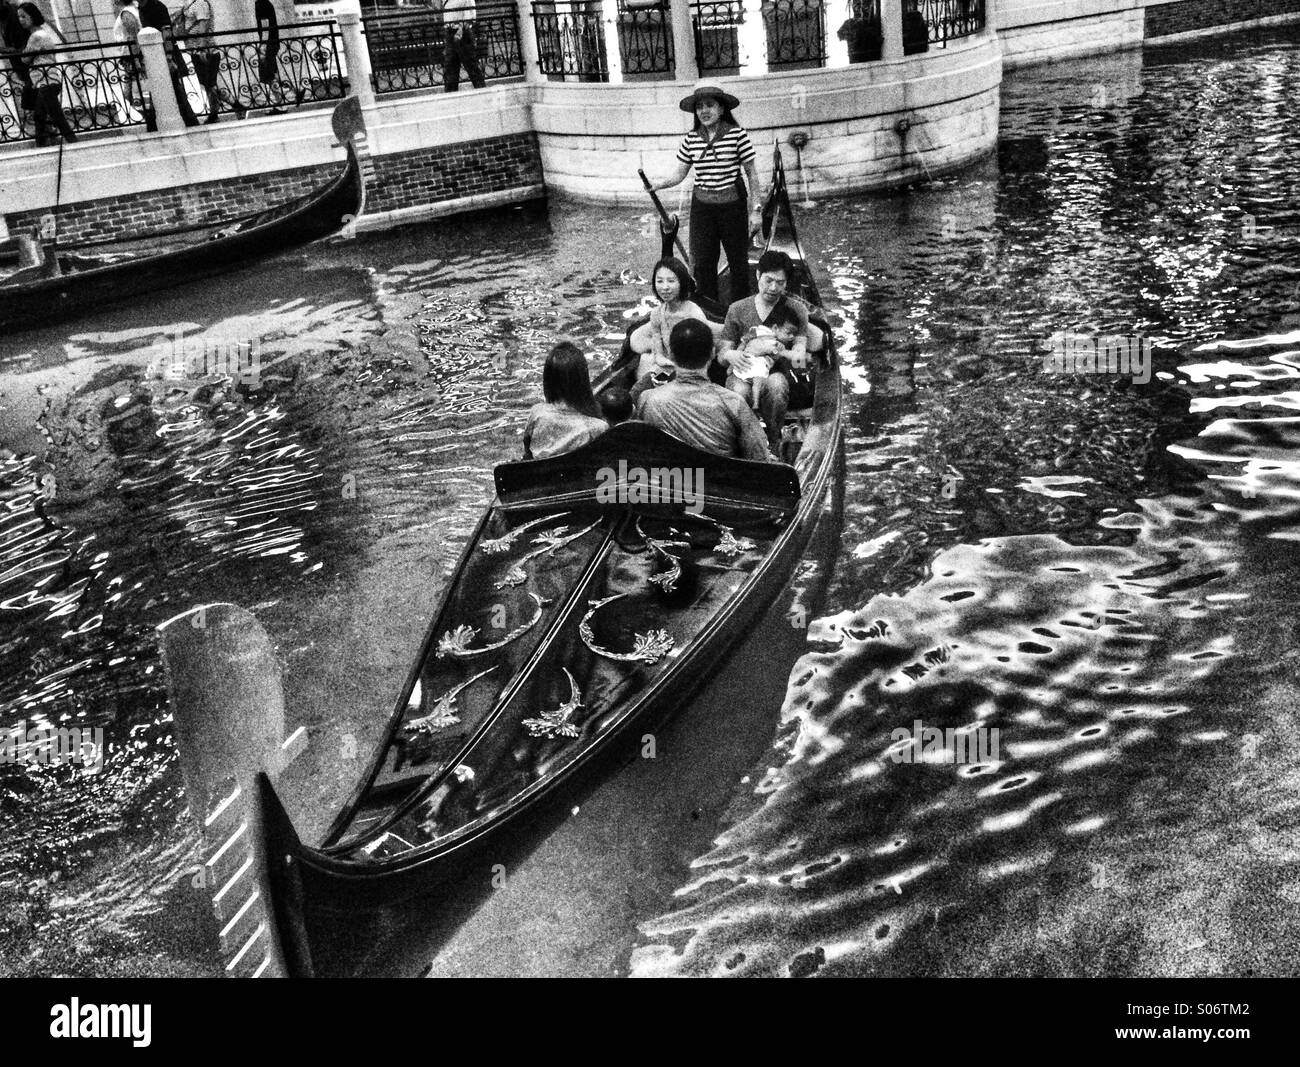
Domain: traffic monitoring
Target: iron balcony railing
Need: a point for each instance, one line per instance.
(570, 40)
(645, 37)
(796, 33)
(793, 32)
(306, 67)
(717, 25)
(406, 45)
(101, 90)
(945, 20)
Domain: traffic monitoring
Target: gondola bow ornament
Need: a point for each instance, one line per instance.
(455, 642)
(648, 648)
(444, 709)
(556, 723)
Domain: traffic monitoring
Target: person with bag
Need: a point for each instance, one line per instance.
(46, 74)
(718, 149)
(196, 31)
(155, 16)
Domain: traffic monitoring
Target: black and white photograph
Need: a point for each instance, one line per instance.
(651, 489)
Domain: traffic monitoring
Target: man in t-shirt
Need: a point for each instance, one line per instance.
(774, 272)
(459, 46)
(155, 16)
(694, 409)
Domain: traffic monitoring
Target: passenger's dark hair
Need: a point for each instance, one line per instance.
(33, 13)
(773, 260)
(782, 315)
(565, 379)
(616, 404)
(691, 344)
(682, 272)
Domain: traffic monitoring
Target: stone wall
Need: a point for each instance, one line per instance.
(1184, 16)
(426, 177)
(946, 102)
(1040, 31)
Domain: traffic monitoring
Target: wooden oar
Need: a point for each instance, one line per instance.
(664, 220)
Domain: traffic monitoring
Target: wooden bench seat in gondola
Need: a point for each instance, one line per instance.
(574, 478)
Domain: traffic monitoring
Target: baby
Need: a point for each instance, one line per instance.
(759, 350)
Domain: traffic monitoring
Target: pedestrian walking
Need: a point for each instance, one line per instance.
(459, 45)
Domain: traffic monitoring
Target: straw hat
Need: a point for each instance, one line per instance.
(707, 87)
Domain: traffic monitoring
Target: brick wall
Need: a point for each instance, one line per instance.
(1184, 15)
(425, 176)
(454, 171)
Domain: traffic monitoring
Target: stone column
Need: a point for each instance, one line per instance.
(753, 39)
(990, 16)
(357, 56)
(529, 54)
(613, 53)
(891, 25)
(158, 81)
(687, 64)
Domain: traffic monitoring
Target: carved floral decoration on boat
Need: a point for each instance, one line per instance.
(556, 723)
(647, 648)
(496, 545)
(516, 575)
(456, 642)
(444, 709)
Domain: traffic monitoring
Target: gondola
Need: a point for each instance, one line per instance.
(40, 288)
(600, 590)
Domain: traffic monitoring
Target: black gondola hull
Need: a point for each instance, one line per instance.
(42, 302)
(320, 891)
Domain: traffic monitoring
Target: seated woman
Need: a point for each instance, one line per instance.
(673, 287)
(569, 417)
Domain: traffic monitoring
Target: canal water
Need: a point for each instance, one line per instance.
(1086, 579)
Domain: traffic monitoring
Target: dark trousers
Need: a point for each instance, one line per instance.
(715, 227)
(183, 102)
(49, 115)
(461, 49)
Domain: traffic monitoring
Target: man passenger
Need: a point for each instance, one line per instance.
(774, 272)
(693, 409)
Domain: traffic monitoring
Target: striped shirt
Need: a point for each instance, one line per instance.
(717, 165)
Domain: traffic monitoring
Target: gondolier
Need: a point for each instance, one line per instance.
(718, 149)
(459, 45)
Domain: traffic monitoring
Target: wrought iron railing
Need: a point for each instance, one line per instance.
(796, 33)
(645, 36)
(717, 25)
(945, 20)
(570, 39)
(406, 45)
(305, 68)
(100, 90)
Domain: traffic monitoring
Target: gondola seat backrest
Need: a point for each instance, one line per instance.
(619, 464)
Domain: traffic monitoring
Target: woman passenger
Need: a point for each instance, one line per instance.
(673, 288)
(569, 417)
